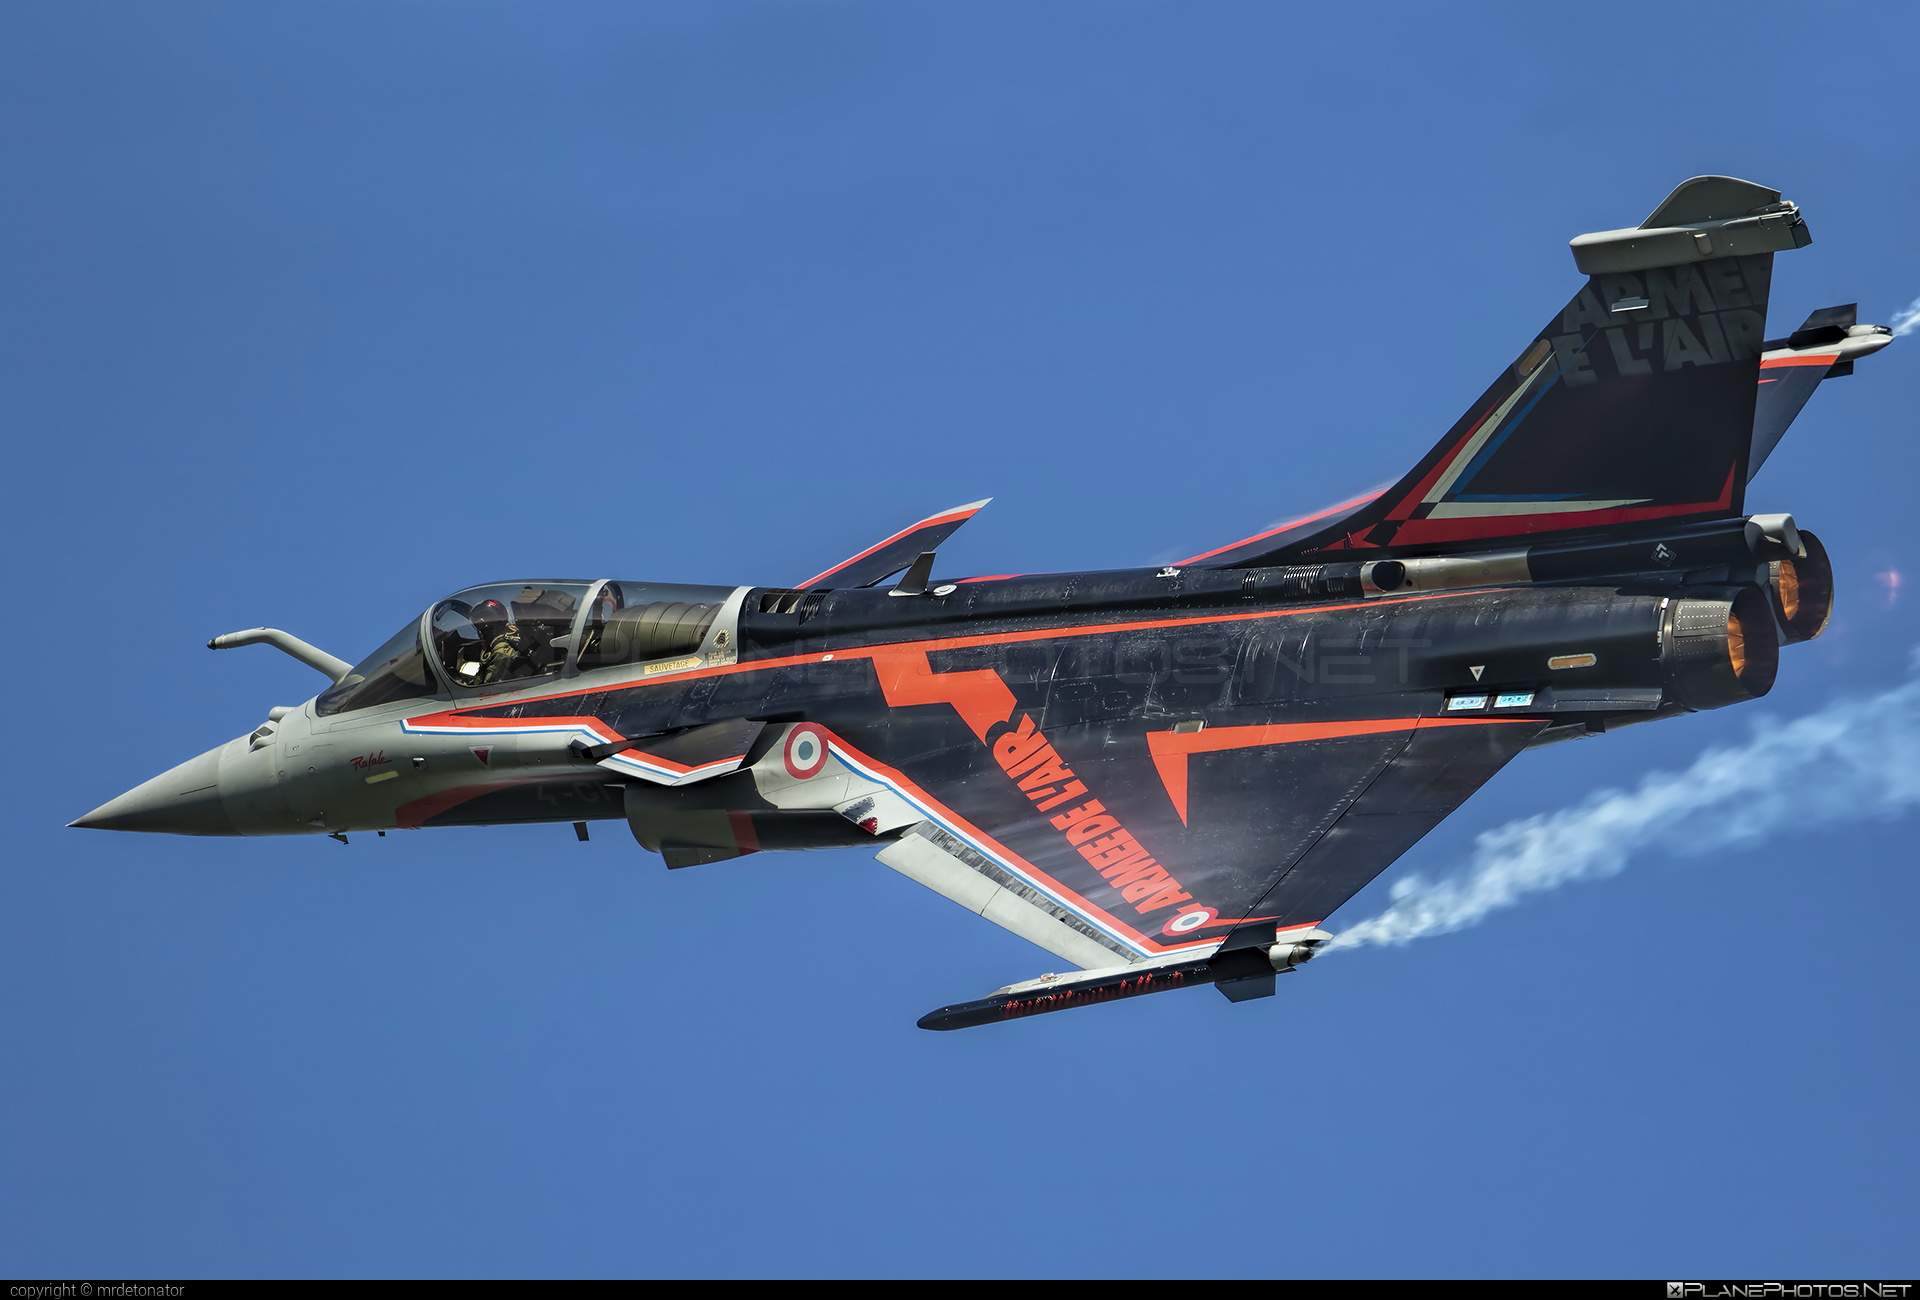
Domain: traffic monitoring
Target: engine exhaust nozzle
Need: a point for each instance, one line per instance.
(1802, 590)
(1719, 646)
(1285, 956)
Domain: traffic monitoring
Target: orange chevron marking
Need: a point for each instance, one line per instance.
(1170, 748)
(980, 697)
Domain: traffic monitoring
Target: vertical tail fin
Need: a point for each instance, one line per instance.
(1635, 403)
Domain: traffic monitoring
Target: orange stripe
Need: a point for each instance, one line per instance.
(979, 696)
(1170, 748)
(461, 716)
(877, 546)
(1291, 523)
(1818, 359)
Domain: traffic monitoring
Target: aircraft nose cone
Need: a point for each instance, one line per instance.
(181, 801)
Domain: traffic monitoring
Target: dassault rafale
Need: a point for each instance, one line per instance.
(1165, 777)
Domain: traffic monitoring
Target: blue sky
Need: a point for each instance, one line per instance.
(312, 314)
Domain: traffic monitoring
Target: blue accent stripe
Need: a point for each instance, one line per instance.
(1479, 462)
(968, 840)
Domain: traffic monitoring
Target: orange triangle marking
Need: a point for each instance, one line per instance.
(1170, 748)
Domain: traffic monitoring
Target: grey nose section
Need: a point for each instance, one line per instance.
(182, 801)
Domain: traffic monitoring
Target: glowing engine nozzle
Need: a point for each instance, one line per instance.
(1802, 590)
(1719, 646)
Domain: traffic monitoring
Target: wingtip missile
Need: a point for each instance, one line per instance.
(1241, 973)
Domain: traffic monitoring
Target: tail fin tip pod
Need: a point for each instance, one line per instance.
(1635, 403)
(1705, 218)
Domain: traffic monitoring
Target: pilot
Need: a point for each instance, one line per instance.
(508, 654)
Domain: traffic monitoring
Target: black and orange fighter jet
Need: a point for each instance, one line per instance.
(1165, 777)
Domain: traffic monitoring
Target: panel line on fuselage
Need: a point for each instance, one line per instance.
(462, 722)
(433, 724)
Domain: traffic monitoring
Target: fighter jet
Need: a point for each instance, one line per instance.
(1163, 776)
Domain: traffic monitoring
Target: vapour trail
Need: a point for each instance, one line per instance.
(1855, 758)
(1907, 319)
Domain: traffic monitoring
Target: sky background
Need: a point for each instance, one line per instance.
(312, 314)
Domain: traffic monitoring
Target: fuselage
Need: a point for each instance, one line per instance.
(1095, 658)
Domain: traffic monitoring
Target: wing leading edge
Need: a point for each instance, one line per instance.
(885, 558)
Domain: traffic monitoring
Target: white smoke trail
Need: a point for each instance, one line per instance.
(1855, 758)
(1907, 319)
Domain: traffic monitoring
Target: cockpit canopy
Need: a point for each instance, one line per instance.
(631, 623)
(486, 638)
(396, 671)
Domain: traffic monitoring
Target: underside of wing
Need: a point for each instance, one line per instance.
(1156, 854)
(1437, 769)
(1114, 835)
(948, 865)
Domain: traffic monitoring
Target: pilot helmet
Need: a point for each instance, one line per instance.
(490, 616)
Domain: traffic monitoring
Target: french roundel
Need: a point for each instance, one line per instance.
(1190, 920)
(806, 751)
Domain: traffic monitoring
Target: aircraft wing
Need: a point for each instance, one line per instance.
(885, 558)
(1110, 838)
